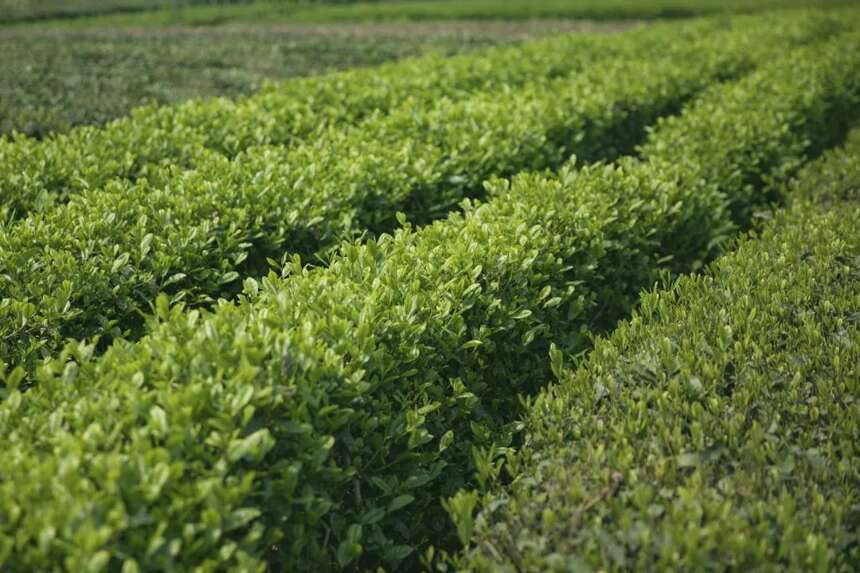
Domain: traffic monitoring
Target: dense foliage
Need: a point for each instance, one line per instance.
(717, 429)
(317, 423)
(94, 265)
(36, 174)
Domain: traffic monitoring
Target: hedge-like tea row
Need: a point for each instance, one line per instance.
(35, 174)
(95, 265)
(717, 429)
(316, 424)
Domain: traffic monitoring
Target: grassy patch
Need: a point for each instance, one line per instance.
(54, 79)
(420, 10)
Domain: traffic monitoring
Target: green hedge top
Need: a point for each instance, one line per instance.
(715, 430)
(34, 175)
(93, 266)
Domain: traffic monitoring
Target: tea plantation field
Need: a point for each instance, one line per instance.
(54, 79)
(588, 302)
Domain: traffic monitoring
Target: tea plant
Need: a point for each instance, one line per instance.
(317, 423)
(717, 428)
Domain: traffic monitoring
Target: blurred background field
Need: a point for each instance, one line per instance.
(53, 79)
(78, 62)
(130, 12)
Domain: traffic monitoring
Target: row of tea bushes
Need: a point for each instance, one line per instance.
(94, 266)
(717, 429)
(35, 174)
(316, 424)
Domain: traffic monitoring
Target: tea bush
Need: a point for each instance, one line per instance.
(35, 174)
(316, 424)
(95, 265)
(714, 430)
